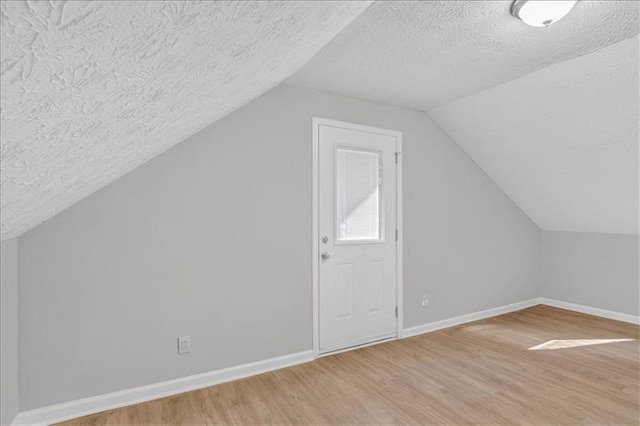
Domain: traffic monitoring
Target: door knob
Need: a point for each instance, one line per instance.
(325, 256)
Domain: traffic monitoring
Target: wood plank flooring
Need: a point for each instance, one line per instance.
(481, 372)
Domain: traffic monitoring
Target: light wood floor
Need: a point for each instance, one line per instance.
(481, 372)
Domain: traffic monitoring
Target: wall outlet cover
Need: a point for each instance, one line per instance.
(184, 345)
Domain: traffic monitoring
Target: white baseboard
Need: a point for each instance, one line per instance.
(474, 316)
(82, 407)
(618, 316)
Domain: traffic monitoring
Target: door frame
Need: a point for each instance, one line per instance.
(315, 251)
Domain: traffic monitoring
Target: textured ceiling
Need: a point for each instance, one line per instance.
(562, 142)
(551, 114)
(91, 90)
(424, 54)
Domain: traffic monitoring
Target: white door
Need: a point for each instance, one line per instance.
(357, 235)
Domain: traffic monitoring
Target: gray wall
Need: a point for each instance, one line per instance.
(596, 270)
(213, 239)
(8, 331)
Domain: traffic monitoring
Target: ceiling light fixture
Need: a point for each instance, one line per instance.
(541, 13)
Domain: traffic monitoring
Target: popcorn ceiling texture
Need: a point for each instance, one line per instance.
(91, 90)
(551, 114)
(424, 54)
(561, 142)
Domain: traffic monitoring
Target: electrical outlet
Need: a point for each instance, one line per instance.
(184, 345)
(425, 301)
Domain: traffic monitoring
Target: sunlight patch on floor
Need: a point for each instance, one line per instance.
(574, 343)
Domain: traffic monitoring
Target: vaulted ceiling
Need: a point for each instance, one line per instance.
(562, 142)
(550, 114)
(424, 54)
(93, 89)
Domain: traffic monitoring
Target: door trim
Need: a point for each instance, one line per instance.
(315, 221)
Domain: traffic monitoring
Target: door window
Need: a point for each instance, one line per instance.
(358, 196)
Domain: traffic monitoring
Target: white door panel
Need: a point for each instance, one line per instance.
(357, 222)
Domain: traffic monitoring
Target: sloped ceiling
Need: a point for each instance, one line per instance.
(91, 90)
(424, 54)
(551, 114)
(561, 142)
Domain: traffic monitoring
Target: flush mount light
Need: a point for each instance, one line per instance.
(541, 13)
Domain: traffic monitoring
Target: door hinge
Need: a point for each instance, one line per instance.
(396, 235)
(396, 312)
(396, 154)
